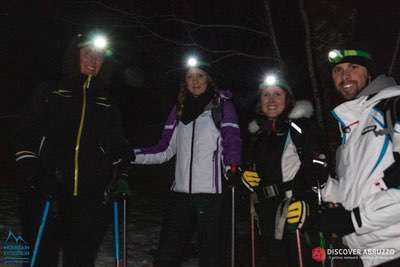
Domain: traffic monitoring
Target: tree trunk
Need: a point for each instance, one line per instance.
(274, 40)
(395, 54)
(310, 64)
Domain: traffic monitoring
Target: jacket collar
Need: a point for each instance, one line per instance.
(381, 82)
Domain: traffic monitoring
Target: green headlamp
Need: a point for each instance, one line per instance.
(272, 80)
(335, 56)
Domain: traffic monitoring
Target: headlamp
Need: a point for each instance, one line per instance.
(336, 56)
(274, 80)
(192, 62)
(270, 80)
(99, 42)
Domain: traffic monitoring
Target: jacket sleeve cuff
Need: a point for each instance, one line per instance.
(25, 154)
(356, 219)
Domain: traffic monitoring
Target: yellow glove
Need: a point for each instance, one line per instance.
(250, 179)
(296, 215)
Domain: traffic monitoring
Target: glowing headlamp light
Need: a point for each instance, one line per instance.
(99, 42)
(335, 56)
(192, 62)
(270, 80)
(95, 41)
(274, 80)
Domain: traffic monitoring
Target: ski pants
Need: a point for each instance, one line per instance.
(282, 252)
(184, 212)
(75, 225)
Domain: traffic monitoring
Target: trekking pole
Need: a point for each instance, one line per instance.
(299, 251)
(233, 228)
(40, 232)
(321, 235)
(124, 248)
(116, 234)
(322, 243)
(253, 240)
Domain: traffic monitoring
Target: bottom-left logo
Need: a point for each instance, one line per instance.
(14, 249)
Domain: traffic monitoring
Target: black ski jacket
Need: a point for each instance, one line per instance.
(74, 130)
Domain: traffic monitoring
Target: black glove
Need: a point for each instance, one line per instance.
(27, 173)
(132, 156)
(234, 176)
(334, 218)
(391, 174)
(51, 184)
(319, 169)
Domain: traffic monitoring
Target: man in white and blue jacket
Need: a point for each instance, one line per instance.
(364, 198)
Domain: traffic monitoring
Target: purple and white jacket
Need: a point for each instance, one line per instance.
(202, 151)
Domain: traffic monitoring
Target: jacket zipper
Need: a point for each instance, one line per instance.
(191, 158)
(216, 161)
(78, 137)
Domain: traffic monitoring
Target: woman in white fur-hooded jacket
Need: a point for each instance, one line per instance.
(284, 142)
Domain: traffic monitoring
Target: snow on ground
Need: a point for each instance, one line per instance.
(143, 227)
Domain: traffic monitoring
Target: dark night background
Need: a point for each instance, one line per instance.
(150, 39)
(149, 45)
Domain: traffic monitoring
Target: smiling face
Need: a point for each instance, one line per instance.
(273, 101)
(90, 61)
(196, 81)
(350, 79)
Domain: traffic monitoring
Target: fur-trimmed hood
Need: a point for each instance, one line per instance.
(302, 109)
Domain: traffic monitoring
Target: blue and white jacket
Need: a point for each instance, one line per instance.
(361, 161)
(202, 150)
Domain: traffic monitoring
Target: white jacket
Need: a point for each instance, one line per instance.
(202, 151)
(361, 160)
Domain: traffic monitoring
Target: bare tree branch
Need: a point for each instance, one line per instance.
(273, 36)
(145, 23)
(237, 54)
(395, 54)
(198, 26)
(8, 116)
(310, 63)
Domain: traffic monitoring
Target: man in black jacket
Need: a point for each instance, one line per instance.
(68, 148)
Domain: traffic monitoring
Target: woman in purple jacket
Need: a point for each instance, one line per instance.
(202, 131)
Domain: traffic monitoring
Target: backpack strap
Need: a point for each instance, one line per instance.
(296, 133)
(389, 107)
(217, 113)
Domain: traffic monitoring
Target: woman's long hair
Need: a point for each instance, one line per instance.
(184, 92)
